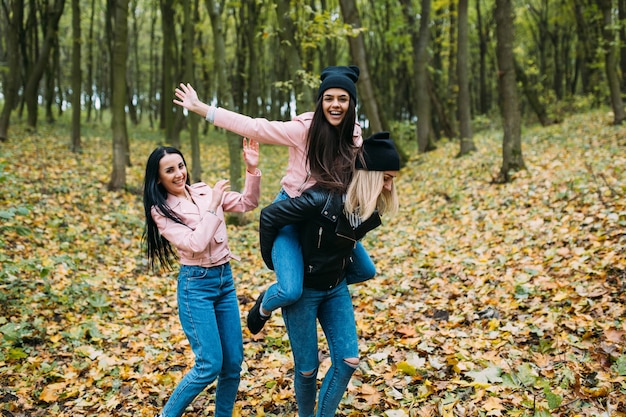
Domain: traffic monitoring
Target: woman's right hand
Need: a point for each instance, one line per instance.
(219, 189)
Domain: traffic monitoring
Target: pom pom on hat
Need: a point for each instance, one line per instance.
(343, 77)
(379, 154)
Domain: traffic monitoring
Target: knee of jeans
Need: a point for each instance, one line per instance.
(232, 367)
(309, 374)
(292, 295)
(352, 362)
(206, 374)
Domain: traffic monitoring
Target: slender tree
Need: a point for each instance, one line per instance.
(484, 98)
(224, 94)
(359, 57)
(462, 71)
(167, 63)
(50, 25)
(450, 97)
(420, 63)
(621, 7)
(287, 33)
(76, 77)
(13, 13)
(89, 82)
(512, 159)
(611, 61)
(119, 55)
(188, 66)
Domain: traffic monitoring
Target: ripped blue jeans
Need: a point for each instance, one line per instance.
(333, 308)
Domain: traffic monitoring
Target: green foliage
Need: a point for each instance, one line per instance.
(620, 365)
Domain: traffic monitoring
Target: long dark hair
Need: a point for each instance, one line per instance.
(331, 150)
(155, 195)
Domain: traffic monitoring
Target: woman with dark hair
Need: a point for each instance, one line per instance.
(322, 148)
(187, 221)
(330, 224)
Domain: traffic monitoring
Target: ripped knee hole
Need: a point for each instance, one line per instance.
(352, 362)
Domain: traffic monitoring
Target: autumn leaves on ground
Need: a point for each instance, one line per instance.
(490, 300)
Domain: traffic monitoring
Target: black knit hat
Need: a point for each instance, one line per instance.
(379, 154)
(340, 77)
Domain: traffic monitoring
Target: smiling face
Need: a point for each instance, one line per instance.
(173, 174)
(335, 102)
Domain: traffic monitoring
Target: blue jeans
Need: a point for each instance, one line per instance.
(289, 266)
(333, 308)
(209, 314)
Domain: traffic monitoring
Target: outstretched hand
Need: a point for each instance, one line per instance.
(188, 98)
(251, 155)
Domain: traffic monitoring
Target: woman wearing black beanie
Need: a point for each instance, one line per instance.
(329, 230)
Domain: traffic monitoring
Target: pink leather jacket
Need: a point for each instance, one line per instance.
(292, 134)
(202, 240)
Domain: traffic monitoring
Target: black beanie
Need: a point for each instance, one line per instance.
(379, 154)
(340, 77)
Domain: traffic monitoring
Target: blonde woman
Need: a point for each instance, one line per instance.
(330, 224)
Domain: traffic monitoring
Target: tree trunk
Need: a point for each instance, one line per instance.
(152, 83)
(31, 90)
(167, 63)
(76, 77)
(359, 56)
(512, 159)
(462, 72)
(89, 90)
(452, 86)
(420, 59)
(188, 65)
(483, 92)
(224, 94)
(119, 55)
(289, 46)
(51, 73)
(610, 63)
(10, 88)
(621, 10)
(588, 45)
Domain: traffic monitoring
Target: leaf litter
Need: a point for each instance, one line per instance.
(490, 299)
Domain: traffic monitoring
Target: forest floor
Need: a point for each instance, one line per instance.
(491, 300)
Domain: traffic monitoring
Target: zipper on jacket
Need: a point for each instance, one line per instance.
(348, 238)
(319, 240)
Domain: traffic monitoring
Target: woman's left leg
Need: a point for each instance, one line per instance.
(229, 328)
(336, 315)
(301, 322)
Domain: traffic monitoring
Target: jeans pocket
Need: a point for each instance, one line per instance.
(193, 272)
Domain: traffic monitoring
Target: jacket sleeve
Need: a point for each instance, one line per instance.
(248, 199)
(288, 133)
(185, 238)
(282, 213)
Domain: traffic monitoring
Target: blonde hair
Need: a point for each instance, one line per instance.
(366, 194)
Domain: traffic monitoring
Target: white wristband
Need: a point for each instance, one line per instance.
(210, 114)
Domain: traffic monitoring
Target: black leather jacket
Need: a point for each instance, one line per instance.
(326, 235)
